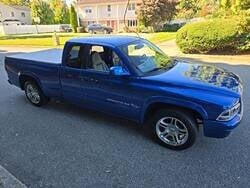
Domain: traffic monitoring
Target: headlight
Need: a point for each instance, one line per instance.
(229, 113)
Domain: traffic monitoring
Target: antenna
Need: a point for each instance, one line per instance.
(124, 19)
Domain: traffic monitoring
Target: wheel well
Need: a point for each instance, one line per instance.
(158, 106)
(24, 78)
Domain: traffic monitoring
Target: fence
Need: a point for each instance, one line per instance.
(27, 29)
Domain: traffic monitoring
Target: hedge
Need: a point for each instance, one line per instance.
(216, 35)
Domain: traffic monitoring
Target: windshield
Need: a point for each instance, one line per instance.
(146, 57)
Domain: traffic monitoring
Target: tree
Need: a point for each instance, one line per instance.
(187, 9)
(226, 4)
(42, 10)
(73, 18)
(65, 15)
(208, 7)
(241, 5)
(60, 9)
(154, 12)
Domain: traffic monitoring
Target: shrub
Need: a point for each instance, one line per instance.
(216, 35)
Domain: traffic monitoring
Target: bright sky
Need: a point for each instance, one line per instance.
(68, 2)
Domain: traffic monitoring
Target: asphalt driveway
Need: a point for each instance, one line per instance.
(60, 145)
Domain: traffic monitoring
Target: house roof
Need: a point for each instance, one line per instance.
(26, 8)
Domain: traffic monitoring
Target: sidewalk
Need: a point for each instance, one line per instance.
(171, 49)
(7, 180)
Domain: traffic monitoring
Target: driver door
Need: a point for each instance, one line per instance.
(105, 92)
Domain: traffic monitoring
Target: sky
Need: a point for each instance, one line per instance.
(68, 2)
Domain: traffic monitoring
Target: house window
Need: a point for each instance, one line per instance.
(131, 6)
(109, 8)
(88, 10)
(12, 14)
(132, 23)
(23, 14)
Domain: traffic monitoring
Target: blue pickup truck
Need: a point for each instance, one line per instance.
(131, 78)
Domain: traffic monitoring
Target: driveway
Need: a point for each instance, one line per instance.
(60, 145)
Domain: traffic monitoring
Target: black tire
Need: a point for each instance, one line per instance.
(42, 98)
(182, 116)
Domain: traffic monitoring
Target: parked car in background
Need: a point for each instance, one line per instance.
(98, 28)
(65, 28)
(131, 78)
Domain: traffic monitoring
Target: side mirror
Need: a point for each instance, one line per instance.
(118, 71)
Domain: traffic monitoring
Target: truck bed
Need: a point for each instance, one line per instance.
(53, 56)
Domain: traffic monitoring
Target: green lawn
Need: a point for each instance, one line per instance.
(46, 39)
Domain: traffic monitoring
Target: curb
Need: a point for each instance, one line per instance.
(7, 180)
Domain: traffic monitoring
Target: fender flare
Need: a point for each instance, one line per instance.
(30, 74)
(173, 101)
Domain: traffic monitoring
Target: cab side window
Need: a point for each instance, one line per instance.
(74, 60)
(102, 58)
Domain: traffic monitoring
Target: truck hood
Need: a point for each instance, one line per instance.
(202, 77)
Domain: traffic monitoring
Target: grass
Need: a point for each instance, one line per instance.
(46, 39)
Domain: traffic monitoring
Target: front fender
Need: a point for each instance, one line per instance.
(176, 102)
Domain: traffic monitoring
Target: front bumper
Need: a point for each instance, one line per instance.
(220, 129)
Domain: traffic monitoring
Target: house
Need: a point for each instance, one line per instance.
(14, 15)
(107, 12)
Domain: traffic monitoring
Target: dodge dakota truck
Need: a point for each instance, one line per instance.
(132, 78)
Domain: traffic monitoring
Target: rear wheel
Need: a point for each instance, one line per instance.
(174, 129)
(34, 94)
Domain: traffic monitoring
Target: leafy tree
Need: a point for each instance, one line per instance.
(65, 15)
(42, 10)
(154, 12)
(226, 4)
(208, 7)
(241, 5)
(187, 8)
(73, 18)
(60, 9)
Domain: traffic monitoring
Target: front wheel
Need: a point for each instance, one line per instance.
(34, 94)
(174, 129)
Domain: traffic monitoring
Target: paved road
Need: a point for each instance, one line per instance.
(60, 145)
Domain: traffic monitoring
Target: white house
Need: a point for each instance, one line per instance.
(107, 12)
(14, 15)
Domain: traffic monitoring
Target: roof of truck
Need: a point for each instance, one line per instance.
(114, 40)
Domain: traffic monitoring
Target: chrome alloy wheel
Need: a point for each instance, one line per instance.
(33, 94)
(172, 131)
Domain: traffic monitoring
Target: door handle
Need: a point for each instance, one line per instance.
(94, 80)
(88, 79)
